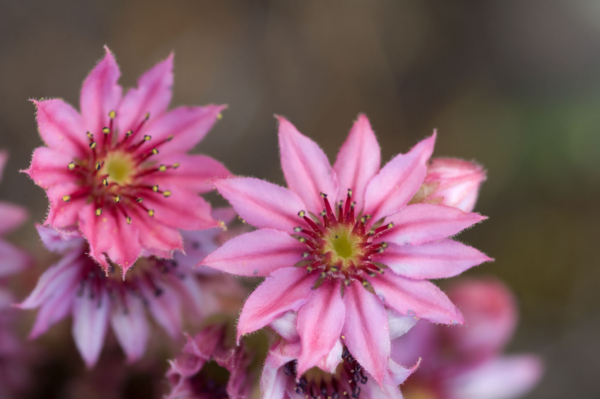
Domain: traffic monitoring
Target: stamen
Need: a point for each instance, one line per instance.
(66, 198)
(175, 165)
(117, 199)
(71, 165)
(167, 193)
(98, 211)
(151, 212)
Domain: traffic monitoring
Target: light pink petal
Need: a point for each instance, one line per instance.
(398, 181)
(358, 161)
(197, 245)
(320, 322)
(330, 361)
(195, 173)
(421, 342)
(417, 298)
(55, 280)
(60, 241)
(11, 217)
(12, 259)
(457, 182)
(285, 326)
(61, 213)
(285, 289)
(502, 378)
(399, 324)
(165, 306)
(273, 381)
(199, 296)
(155, 237)
(3, 161)
(398, 373)
(152, 96)
(110, 235)
(130, 325)
(49, 167)
(442, 259)
(100, 94)
(262, 204)
(90, 321)
(421, 223)
(490, 310)
(187, 125)
(257, 253)
(54, 309)
(366, 330)
(306, 167)
(61, 127)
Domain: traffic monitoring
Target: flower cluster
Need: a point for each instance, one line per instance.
(345, 252)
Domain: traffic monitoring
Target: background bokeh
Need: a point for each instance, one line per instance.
(514, 85)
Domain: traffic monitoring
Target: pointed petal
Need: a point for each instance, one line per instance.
(366, 330)
(442, 259)
(330, 361)
(502, 378)
(54, 309)
(285, 289)
(61, 213)
(165, 306)
(12, 259)
(90, 321)
(358, 161)
(49, 167)
(320, 322)
(187, 125)
(398, 181)
(285, 326)
(417, 298)
(3, 161)
(61, 127)
(398, 373)
(257, 253)
(60, 241)
(12, 217)
(110, 234)
(155, 237)
(456, 182)
(100, 94)
(262, 204)
(399, 324)
(306, 167)
(273, 381)
(421, 223)
(195, 173)
(152, 96)
(130, 325)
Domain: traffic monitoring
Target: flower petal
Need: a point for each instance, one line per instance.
(90, 320)
(12, 217)
(100, 94)
(49, 167)
(165, 307)
(54, 309)
(358, 161)
(110, 234)
(398, 324)
(366, 330)
(285, 289)
(262, 204)
(12, 259)
(442, 259)
(155, 237)
(502, 378)
(61, 127)
(60, 241)
(187, 125)
(257, 253)
(417, 298)
(320, 322)
(195, 173)
(273, 381)
(398, 181)
(421, 223)
(3, 161)
(131, 327)
(306, 167)
(152, 96)
(61, 213)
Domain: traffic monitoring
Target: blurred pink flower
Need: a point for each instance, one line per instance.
(452, 182)
(127, 183)
(466, 362)
(338, 286)
(211, 366)
(165, 288)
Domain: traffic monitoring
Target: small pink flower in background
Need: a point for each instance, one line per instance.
(451, 182)
(211, 366)
(14, 374)
(119, 170)
(466, 362)
(343, 247)
(167, 289)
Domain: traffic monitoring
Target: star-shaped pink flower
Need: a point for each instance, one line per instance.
(342, 248)
(119, 170)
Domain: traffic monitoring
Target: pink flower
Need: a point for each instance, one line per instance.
(451, 182)
(466, 363)
(337, 375)
(344, 259)
(166, 289)
(192, 376)
(119, 170)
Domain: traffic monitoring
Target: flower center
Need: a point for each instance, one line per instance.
(120, 167)
(340, 246)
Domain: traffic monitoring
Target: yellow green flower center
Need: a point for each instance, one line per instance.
(120, 167)
(343, 245)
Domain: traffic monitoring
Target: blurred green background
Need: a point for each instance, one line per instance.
(514, 85)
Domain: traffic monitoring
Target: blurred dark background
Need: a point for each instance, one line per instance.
(514, 85)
